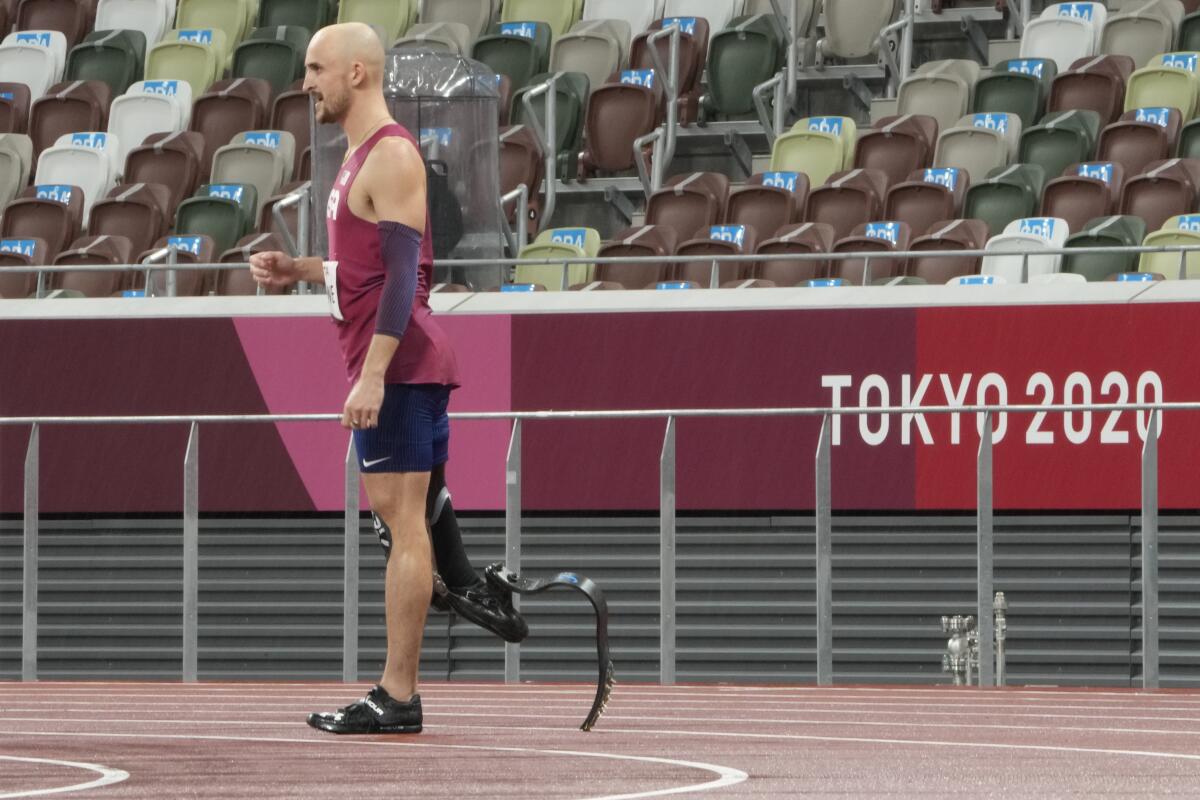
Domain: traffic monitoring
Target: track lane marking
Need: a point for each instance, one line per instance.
(108, 776)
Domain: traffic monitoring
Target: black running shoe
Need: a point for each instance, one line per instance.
(375, 713)
(490, 607)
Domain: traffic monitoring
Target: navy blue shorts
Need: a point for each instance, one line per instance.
(413, 434)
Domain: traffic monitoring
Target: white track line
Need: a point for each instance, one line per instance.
(108, 776)
(726, 776)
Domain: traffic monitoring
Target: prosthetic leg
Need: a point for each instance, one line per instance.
(503, 578)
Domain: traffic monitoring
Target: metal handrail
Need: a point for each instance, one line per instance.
(823, 521)
(547, 135)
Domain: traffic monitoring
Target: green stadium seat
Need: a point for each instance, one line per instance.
(274, 54)
(570, 101)
(1006, 194)
(519, 50)
(559, 15)
(1018, 86)
(223, 211)
(115, 57)
(311, 15)
(1060, 140)
(1115, 231)
(740, 57)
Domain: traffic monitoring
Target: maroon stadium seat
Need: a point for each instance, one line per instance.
(693, 52)
(1084, 192)
(951, 234)
(871, 237)
(21, 252)
(848, 199)
(48, 217)
(227, 108)
(138, 211)
(1094, 82)
(802, 238)
(768, 201)
(170, 159)
(239, 282)
(68, 107)
(688, 203)
(95, 251)
(898, 145)
(68, 16)
(1135, 142)
(291, 215)
(617, 115)
(188, 283)
(290, 112)
(14, 108)
(643, 241)
(522, 161)
(927, 196)
(716, 240)
(1165, 189)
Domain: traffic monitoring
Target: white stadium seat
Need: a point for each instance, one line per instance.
(149, 107)
(1031, 235)
(86, 160)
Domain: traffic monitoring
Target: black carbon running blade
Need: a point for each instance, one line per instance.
(605, 680)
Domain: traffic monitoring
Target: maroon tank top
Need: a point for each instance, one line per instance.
(425, 354)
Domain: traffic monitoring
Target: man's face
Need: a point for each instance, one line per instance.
(327, 80)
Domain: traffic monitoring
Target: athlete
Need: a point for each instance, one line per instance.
(400, 365)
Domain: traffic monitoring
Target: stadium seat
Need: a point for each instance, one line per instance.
(598, 48)
(637, 13)
(519, 50)
(86, 160)
(693, 51)
(1065, 32)
(239, 282)
(718, 13)
(871, 237)
(229, 16)
(897, 145)
(571, 93)
(149, 107)
(847, 200)
(391, 18)
(1084, 192)
(979, 143)
(138, 211)
(147, 16)
(688, 203)
(953, 234)
(16, 164)
(800, 239)
(852, 27)
(1031, 235)
(20, 253)
(226, 212)
(643, 241)
(558, 15)
(66, 108)
(816, 146)
(617, 115)
(197, 57)
(53, 213)
(740, 57)
(189, 249)
(68, 17)
(452, 37)
(521, 162)
(1189, 32)
(115, 57)
(94, 251)
(1139, 137)
(170, 159)
(1104, 232)
(1178, 231)
(262, 159)
(559, 243)
(267, 223)
(1018, 86)
(929, 195)
(1060, 140)
(34, 58)
(715, 240)
(1095, 83)
(476, 15)
(290, 112)
(1006, 194)
(939, 89)
(274, 54)
(1170, 80)
(14, 108)
(1166, 189)
(1142, 30)
(311, 15)
(768, 201)
(225, 110)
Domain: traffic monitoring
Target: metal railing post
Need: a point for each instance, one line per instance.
(666, 558)
(985, 625)
(29, 561)
(824, 555)
(548, 135)
(191, 554)
(906, 39)
(350, 560)
(1150, 555)
(512, 539)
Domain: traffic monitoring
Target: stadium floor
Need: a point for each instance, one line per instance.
(233, 741)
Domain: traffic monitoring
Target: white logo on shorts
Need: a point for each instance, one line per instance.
(369, 464)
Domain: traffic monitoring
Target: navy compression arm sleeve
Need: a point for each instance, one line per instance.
(400, 249)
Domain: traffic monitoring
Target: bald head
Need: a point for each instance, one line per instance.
(343, 62)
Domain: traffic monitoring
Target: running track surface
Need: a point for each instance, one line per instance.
(234, 741)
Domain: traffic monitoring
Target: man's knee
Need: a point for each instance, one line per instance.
(384, 533)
